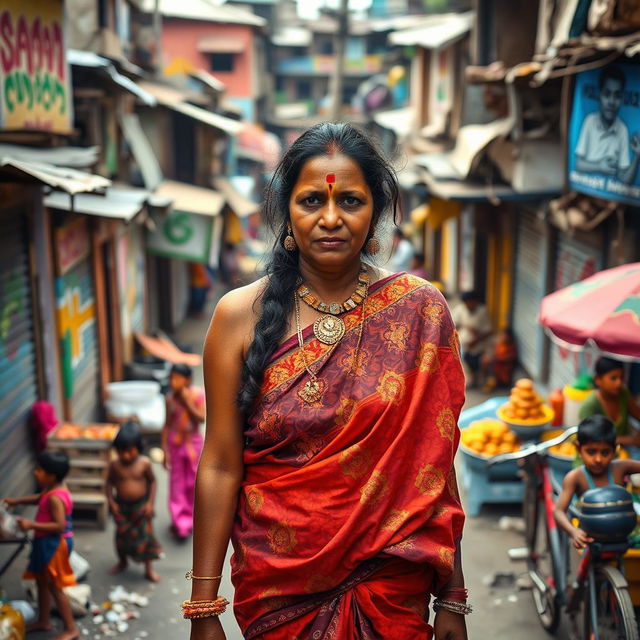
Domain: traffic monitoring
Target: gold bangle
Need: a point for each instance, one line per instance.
(189, 576)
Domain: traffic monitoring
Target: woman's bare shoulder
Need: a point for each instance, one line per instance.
(239, 305)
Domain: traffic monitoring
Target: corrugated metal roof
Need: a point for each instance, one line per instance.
(203, 10)
(191, 199)
(120, 202)
(75, 157)
(174, 99)
(69, 180)
(436, 31)
(90, 60)
(241, 205)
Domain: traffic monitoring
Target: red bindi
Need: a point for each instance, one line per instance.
(331, 178)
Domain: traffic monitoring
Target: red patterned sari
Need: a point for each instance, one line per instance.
(348, 514)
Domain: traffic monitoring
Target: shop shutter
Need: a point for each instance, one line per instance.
(529, 289)
(576, 259)
(85, 376)
(18, 378)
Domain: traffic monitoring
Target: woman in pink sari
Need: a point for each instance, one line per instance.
(333, 390)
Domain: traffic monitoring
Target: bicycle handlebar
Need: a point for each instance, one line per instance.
(532, 449)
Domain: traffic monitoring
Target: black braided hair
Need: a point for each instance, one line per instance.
(282, 269)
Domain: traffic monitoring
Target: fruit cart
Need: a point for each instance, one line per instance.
(497, 426)
(89, 450)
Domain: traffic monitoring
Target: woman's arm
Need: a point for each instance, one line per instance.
(221, 465)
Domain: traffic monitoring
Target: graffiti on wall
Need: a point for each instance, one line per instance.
(76, 320)
(35, 86)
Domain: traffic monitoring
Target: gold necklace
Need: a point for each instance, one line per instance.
(314, 388)
(330, 329)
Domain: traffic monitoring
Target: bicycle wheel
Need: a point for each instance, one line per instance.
(540, 561)
(614, 609)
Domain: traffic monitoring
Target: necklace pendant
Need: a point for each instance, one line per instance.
(312, 391)
(329, 329)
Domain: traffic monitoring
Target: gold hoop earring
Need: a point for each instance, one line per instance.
(289, 241)
(373, 246)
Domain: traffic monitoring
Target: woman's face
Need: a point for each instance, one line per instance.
(331, 209)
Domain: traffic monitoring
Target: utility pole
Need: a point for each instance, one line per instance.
(157, 32)
(338, 73)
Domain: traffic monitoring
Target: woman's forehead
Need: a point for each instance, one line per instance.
(341, 168)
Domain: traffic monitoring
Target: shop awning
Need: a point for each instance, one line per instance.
(120, 202)
(174, 99)
(259, 145)
(240, 204)
(399, 121)
(220, 44)
(435, 32)
(69, 180)
(74, 157)
(90, 60)
(190, 199)
(161, 347)
(469, 191)
(471, 141)
(210, 80)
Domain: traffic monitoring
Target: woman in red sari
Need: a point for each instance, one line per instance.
(333, 391)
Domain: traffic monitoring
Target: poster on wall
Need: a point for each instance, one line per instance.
(35, 78)
(604, 133)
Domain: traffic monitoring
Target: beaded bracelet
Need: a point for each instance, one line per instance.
(203, 608)
(452, 606)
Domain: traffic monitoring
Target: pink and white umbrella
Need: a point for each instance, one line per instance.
(601, 311)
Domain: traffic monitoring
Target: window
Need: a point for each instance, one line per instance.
(303, 90)
(222, 61)
(326, 48)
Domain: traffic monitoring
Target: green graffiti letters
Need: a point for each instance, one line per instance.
(44, 89)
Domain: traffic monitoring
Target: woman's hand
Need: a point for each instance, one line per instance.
(207, 629)
(449, 626)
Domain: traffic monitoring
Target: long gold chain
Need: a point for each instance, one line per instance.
(314, 388)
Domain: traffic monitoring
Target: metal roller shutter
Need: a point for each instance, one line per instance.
(576, 260)
(529, 289)
(18, 377)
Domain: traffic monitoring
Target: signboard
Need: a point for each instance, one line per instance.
(35, 91)
(72, 245)
(182, 235)
(604, 133)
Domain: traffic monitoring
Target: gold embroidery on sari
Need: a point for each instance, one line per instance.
(396, 336)
(446, 423)
(355, 461)
(430, 480)
(281, 538)
(255, 500)
(427, 359)
(375, 489)
(391, 387)
(394, 519)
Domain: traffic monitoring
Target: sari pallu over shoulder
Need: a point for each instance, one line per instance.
(364, 475)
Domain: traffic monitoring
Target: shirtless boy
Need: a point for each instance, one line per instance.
(131, 492)
(596, 446)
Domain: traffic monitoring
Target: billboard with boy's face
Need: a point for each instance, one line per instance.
(604, 133)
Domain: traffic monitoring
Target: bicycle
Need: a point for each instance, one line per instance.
(600, 588)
